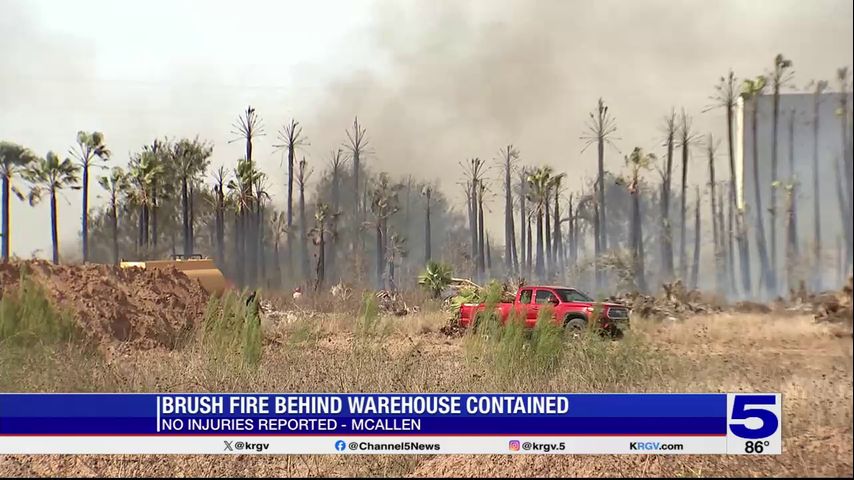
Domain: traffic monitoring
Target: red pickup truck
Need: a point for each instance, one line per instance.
(572, 309)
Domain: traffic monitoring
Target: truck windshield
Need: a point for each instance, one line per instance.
(571, 295)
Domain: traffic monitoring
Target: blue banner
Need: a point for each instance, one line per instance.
(363, 414)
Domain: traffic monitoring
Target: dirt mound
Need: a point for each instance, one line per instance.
(144, 308)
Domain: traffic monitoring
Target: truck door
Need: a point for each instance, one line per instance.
(542, 299)
(523, 303)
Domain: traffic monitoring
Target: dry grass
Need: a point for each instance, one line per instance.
(808, 363)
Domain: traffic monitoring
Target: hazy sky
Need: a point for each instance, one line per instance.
(434, 82)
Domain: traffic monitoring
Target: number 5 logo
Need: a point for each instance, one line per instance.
(747, 407)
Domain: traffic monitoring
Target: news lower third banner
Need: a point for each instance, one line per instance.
(35, 423)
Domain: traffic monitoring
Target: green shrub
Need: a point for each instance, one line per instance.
(28, 318)
(232, 328)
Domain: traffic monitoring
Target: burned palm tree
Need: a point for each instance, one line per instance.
(116, 183)
(248, 128)
(601, 127)
(303, 174)
(539, 185)
(637, 162)
(220, 178)
(337, 162)
(427, 192)
(670, 129)
(522, 191)
(751, 89)
(509, 156)
(278, 231)
(695, 264)
(717, 228)
(779, 77)
(143, 171)
(726, 97)
(320, 234)
(818, 88)
(847, 160)
(291, 140)
(687, 139)
(241, 192)
(475, 170)
(357, 144)
(384, 204)
(189, 159)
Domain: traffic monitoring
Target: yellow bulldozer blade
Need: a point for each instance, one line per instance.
(195, 267)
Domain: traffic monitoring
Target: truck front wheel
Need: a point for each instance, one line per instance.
(575, 324)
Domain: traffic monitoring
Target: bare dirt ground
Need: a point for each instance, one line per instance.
(809, 363)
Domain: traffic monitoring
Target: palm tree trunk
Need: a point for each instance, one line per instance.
(428, 254)
(540, 270)
(220, 226)
(238, 247)
(7, 187)
(817, 263)
(844, 208)
(603, 223)
(303, 233)
(154, 213)
(291, 189)
(473, 226)
(53, 236)
(773, 190)
(115, 214)
(637, 239)
(380, 255)
(509, 235)
(259, 227)
(549, 264)
(738, 225)
(557, 238)
(488, 255)
(191, 231)
(530, 254)
(695, 268)
(522, 223)
(666, 226)
(321, 260)
(729, 273)
(185, 209)
(573, 251)
(717, 228)
(85, 225)
(760, 222)
(597, 247)
(277, 265)
(792, 214)
(481, 258)
(683, 251)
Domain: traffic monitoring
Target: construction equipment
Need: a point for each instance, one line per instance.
(194, 266)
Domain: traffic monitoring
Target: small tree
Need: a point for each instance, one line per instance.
(436, 278)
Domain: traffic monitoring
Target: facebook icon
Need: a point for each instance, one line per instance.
(340, 445)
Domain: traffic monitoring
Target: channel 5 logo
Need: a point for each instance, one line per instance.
(515, 445)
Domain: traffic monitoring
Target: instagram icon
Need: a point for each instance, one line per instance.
(514, 445)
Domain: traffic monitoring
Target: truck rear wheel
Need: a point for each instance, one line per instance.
(476, 321)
